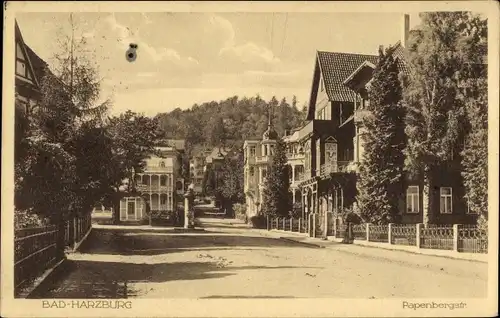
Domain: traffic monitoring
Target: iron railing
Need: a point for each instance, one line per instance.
(436, 237)
(359, 231)
(472, 239)
(378, 233)
(403, 234)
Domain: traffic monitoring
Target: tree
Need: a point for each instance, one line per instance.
(134, 137)
(232, 180)
(217, 133)
(276, 197)
(436, 117)
(474, 94)
(381, 171)
(50, 180)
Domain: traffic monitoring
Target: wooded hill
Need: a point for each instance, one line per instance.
(229, 122)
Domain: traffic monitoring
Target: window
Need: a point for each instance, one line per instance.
(252, 171)
(163, 201)
(163, 180)
(21, 68)
(252, 151)
(162, 164)
(445, 202)
(469, 211)
(412, 199)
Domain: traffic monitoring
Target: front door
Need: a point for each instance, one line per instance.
(131, 210)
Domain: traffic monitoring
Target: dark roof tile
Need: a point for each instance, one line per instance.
(336, 67)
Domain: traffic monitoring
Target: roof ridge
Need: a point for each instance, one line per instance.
(350, 53)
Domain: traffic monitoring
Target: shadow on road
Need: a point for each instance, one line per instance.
(112, 280)
(118, 242)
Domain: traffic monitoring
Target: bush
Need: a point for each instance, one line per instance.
(25, 219)
(162, 217)
(258, 222)
(240, 211)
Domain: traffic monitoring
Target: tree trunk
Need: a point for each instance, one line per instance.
(116, 211)
(427, 198)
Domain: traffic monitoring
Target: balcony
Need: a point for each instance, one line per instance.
(154, 188)
(360, 114)
(317, 127)
(295, 156)
(250, 160)
(263, 159)
(158, 169)
(339, 167)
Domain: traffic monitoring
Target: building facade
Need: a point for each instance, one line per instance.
(257, 155)
(160, 187)
(333, 143)
(295, 159)
(196, 170)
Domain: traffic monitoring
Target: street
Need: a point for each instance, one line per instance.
(228, 260)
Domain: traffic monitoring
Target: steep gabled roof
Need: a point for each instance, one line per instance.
(334, 68)
(399, 54)
(40, 67)
(28, 55)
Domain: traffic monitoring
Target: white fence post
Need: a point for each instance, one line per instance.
(389, 234)
(267, 222)
(367, 232)
(455, 236)
(75, 231)
(417, 234)
(291, 224)
(300, 225)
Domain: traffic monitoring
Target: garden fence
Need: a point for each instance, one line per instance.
(453, 237)
(37, 249)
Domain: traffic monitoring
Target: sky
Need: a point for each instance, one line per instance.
(188, 58)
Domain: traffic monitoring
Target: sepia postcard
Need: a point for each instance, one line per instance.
(250, 159)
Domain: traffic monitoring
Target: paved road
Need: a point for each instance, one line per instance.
(229, 261)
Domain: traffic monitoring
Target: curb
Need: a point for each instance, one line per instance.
(309, 244)
(153, 230)
(44, 278)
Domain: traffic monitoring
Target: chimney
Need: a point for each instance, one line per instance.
(405, 30)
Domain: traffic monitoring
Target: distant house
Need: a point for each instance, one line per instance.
(160, 186)
(257, 157)
(196, 167)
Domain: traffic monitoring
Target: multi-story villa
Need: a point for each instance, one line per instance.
(196, 167)
(160, 186)
(333, 143)
(295, 159)
(258, 154)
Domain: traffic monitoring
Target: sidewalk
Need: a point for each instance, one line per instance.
(332, 241)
